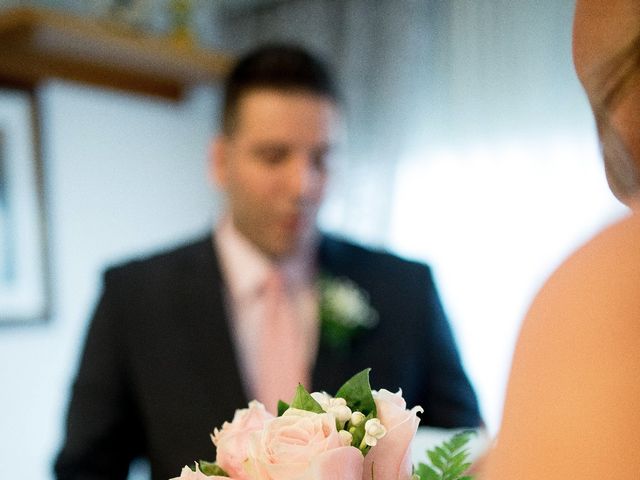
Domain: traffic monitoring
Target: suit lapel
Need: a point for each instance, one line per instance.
(332, 366)
(208, 321)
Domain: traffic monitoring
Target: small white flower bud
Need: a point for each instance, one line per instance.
(345, 438)
(341, 412)
(338, 407)
(373, 431)
(357, 418)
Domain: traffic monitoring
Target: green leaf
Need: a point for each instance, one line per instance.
(425, 472)
(304, 401)
(210, 468)
(282, 407)
(454, 471)
(442, 452)
(357, 392)
(459, 457)
(459, 440)
(450, 458)
(335, 335)
(437, 460)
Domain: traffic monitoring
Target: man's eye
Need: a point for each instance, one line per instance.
(271, 156)
(320, 160)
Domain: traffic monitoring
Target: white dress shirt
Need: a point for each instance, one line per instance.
(245, 270)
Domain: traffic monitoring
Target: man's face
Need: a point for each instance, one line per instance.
(273, 167)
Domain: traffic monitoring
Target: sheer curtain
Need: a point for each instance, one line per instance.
(471, 146)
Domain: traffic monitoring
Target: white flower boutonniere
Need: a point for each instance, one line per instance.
(344, 311)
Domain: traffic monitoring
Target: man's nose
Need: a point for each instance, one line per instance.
(305, 178)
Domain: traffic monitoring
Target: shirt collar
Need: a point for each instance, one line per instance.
(247, 269)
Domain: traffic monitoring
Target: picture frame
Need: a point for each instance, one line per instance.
(23, 260)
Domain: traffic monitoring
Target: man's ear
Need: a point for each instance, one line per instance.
(217, 167)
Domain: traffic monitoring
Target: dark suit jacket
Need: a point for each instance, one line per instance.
(158, 371)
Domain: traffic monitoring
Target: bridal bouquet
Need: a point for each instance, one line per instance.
(358, 434)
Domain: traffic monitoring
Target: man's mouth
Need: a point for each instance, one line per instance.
(296, 222)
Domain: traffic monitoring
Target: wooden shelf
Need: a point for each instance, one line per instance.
(37, 44)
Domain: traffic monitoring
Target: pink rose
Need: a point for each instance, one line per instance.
(233, 439)
(391, 457)
(303, 445)
(188, 474)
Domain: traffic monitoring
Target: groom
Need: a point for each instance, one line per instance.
(180, 340)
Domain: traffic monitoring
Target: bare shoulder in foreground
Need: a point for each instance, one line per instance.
(573, 401)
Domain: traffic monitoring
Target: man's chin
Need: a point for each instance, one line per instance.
(280, 252)
(290, 247)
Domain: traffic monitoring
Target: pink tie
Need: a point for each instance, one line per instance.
(281, 347)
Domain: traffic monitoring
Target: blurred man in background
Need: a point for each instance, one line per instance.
(181, 339)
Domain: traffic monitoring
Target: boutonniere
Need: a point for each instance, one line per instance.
(344, 311)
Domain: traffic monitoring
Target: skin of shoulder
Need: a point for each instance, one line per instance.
(572, 408)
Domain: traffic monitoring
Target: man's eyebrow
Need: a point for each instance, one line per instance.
(271, 146)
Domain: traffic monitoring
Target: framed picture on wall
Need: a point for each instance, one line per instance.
(23, 282)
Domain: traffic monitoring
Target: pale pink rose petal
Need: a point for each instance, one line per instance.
(390, 459)
(391, 407)
(285, 471)
(344, 463)
(289, 447)
(233, 439)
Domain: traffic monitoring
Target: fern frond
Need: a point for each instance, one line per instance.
(449, 460)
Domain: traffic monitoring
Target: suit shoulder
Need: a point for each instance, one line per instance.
(350, 252)
(162, 262)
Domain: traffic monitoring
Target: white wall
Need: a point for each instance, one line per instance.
(494, 220)
(123, 174)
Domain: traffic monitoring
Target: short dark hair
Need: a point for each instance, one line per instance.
(281, 67)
